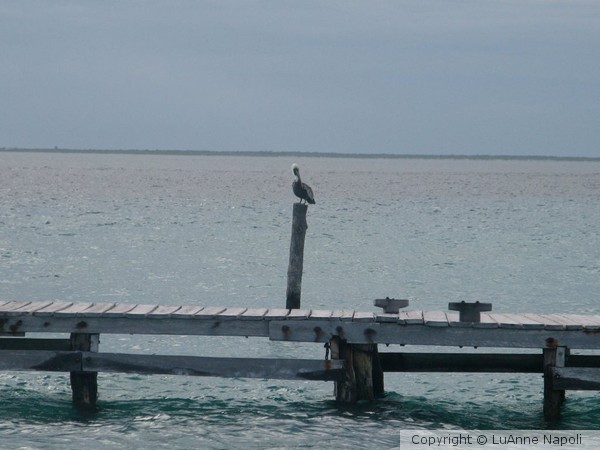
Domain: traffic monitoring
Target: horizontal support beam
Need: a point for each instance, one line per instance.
(310, 330)
(44, 360)
(267, 368)
(583, 361)
(576, 378)
(461, 362)
(137, 325)
(449, 336)
(476, 362)
(35, 344)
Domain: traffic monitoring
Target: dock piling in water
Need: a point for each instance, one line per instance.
(554, 356)
(84, 384)
(363, 374)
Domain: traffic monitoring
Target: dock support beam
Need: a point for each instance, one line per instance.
(553, 398)
(84, 384)
(294, 281)
(363, 378)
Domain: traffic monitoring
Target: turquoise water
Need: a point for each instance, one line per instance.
(214, 230)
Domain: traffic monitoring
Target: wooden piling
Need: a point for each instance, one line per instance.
(344, 389)
(84, 385)
(362, 359)
(363, 376)
(553, 357)
(378, 384)
(296, 262)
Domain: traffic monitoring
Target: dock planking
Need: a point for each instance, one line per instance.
(162, 312)
(53, 308)
(253, 314)
(406, 327)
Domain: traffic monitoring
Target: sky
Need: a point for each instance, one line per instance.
(464, 77)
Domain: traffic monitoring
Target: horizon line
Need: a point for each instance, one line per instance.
(250, 153)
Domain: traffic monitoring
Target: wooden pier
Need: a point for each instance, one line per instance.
(355, 365)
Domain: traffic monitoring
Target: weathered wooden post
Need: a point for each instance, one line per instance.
(84, 384)
(378, 383)
(344, 389)
(362, 361)
(294, 281)
(363, 375)
(554, 356)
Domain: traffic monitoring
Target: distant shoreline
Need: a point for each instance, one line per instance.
(294, 154)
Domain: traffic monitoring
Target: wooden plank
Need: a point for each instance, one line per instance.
(140, 311)
(587, 322)
(363, 316)
(321, 314)
(557, 322)
(163, 311)
(187, 312)
(119, 310)
(253, 314)
(383, 317)
(13, 306)
(51, 309)
(342, 314)
(298, 314)
(549, 324)
(527, 322)
(410, 317)
(505, 320)
(26, 308)
(435, 319)
(568, 322)
(97, 309)
(75, 309)
(209, 312)
(265, 368)
(277, 313)
(231, 313)
(576, 378)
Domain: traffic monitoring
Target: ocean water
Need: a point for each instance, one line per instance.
(214, 230)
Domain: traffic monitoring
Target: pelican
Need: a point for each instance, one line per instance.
(301, 190)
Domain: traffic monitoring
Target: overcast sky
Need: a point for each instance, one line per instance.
(467, 77)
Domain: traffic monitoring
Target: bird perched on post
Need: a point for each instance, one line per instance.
(301, 190)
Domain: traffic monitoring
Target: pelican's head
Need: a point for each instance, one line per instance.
(295, 169)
